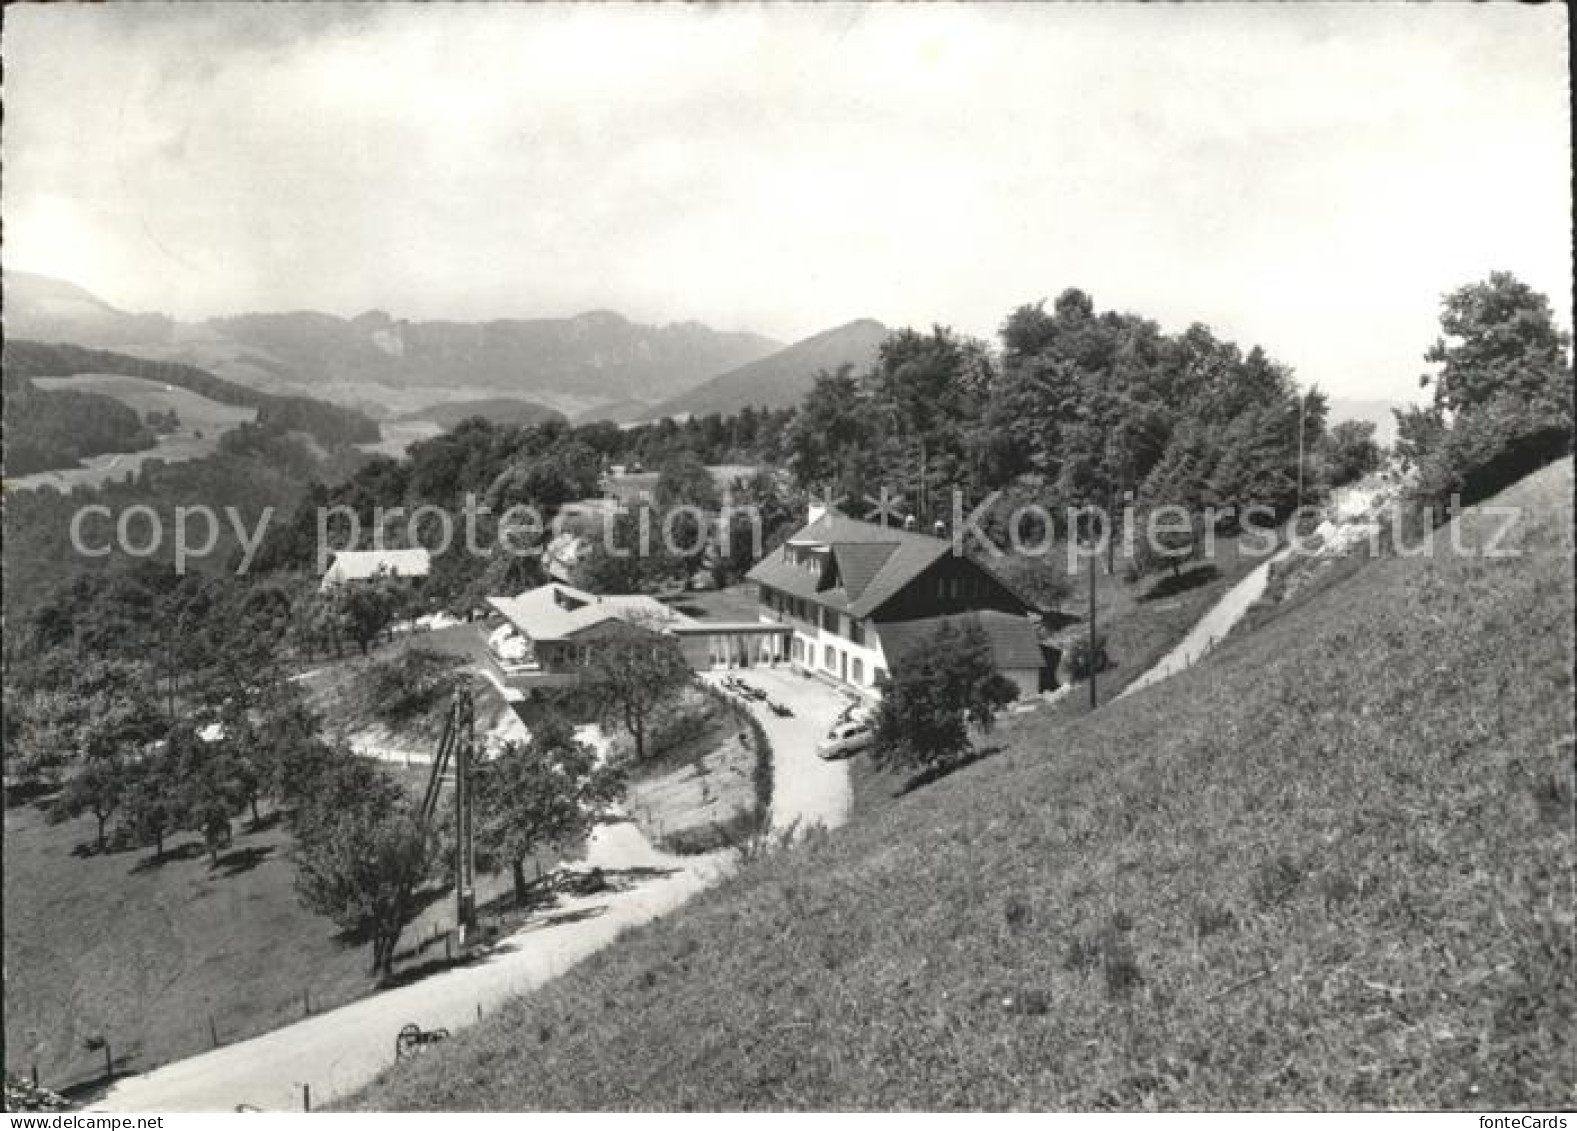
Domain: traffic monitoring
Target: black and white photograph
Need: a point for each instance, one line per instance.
(787, 558)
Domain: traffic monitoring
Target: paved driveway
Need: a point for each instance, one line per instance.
(805, 790)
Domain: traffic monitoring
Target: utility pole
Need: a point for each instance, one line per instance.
(465, 848)
(1090, 562)
(1303, 404)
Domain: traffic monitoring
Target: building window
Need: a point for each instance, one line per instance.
(829, 658)
(858, 670)
(857, 631)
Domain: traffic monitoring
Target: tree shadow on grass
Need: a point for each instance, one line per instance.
(407, 975)
(174, 855)
(266, 822)
(30, 793)
(563, 918)
(1188, 580)
(937, 773)
(623, 879)
(88, 1091)
(241, 860)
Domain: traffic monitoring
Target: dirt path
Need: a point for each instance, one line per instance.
(337, 1052)
(1211, 627)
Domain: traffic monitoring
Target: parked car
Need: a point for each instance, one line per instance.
(845, 740)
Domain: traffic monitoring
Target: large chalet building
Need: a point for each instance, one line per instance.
(857, 598)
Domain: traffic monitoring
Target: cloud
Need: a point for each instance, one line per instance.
(1310, 178)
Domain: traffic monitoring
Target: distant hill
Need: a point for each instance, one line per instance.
(782, 379)
(499, 410)
(1377, 412)
(330, 424)
(571, 364)
(599, 355)
(37, 306)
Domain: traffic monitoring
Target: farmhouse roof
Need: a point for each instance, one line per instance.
(874, 563)
(561, 612)
(363, 565)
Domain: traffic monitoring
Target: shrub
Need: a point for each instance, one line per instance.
(1080, 664)
(1485, 450)
(409, 684)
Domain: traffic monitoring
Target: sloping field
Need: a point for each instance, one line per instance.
(203, 422)
(1328, 867)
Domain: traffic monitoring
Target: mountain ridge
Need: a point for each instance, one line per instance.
(595, 356)
(781, 379)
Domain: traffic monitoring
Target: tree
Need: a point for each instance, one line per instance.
(362, 868)
(1419, 431)
(1349, 452)
(622, 561)
(947, 682)
(364, 610)
(1499, 338)
(683, 480)
(566, 471)
(1161, 544)
(548, 792)
(98, 787)
(330, 781)
(1041, 579)
(1503, 395)
(212, 790)
(152, 802)
(830, 441)
(632, 670)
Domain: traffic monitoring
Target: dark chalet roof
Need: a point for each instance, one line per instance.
(873, 564)
(1015, 644)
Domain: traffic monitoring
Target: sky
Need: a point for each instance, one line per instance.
(1311, 178)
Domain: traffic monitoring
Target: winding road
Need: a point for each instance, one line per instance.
(332, 1054)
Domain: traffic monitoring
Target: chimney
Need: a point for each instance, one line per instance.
(816, 511)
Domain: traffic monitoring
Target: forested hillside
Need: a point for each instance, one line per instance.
(327, 423)
(46, 429)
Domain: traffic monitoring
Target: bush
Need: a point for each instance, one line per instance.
(1079, 654)
(409, 684)
(1484, 451)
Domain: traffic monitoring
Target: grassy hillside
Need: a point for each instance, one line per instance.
(328, 423)
(145, 953)
(1328, 867)
(46, 429)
